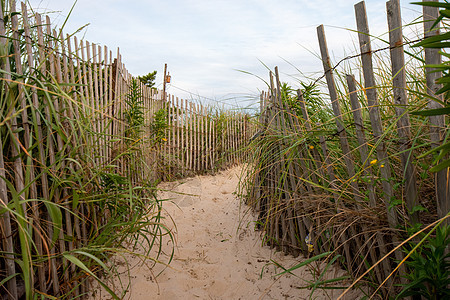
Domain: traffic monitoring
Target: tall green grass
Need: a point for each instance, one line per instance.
(328, 208)
(74, 207)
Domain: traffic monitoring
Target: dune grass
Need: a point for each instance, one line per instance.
(303, 191)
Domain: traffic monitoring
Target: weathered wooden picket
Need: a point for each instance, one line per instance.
(300, 194)
(52, 86)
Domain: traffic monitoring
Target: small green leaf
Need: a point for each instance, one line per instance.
(306, 262)
(75, 200)
(433, 112)
(433, 39)
(56, 216)
(418, 208)
(433, 4)
(394, 203)
(441, 166)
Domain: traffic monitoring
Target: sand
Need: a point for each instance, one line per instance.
(218, 253)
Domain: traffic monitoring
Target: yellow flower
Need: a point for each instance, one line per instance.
(373, 162)
(382, 166)
(164, 139)
(311, 147)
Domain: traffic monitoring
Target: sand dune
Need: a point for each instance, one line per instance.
(218, 254)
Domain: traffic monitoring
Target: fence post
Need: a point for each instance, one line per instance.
(374, 109)
(437, 123)
(6, 218)
(367, 171)
(401, 103)
(348, 159)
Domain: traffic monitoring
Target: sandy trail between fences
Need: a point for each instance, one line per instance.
(218, 255)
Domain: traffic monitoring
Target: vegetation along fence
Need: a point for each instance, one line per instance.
(347, 179)
(83, 144)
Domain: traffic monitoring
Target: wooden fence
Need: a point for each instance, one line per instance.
(335, 185)
(73, 119)
(197, 138)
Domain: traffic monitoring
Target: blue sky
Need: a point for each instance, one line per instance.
(206, 42)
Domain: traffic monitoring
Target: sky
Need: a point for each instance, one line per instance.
(218, 51)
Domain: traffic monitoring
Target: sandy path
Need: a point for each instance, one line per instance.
(214, 259)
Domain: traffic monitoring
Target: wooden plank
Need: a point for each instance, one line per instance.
(187, 144)
(347, 155)
(30, 192)
(65, 74)
(106, 104)
(66, 109)
(110, 101)
(186, 136)
(80, 72)
(50, 153)
(236, 137)
(81, 76)
(35, 106)
(73, 79)
(375, 118)
(214, 142)
(210, 143)
(59, 143)
(178, 136)
(367, 172)
(99, 103)
(291, 185)
(198, 136)
(201, 138)
(72, 76)
(233, 138)
(374, 109)
(239, 133)
(15, 141)
(235, 132)
(437, 123)
(7, 240)
(119, 107)
(205, 139)
(225, 138)
(80, 80)
(21, 98)
(182, 130)
(174, 136)
(191, 135)
(169, 142)
(173, 141)
(401, 104)
(62, 75)
(228, 141)
(274, 207)
(221, 154)
(92, 96)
